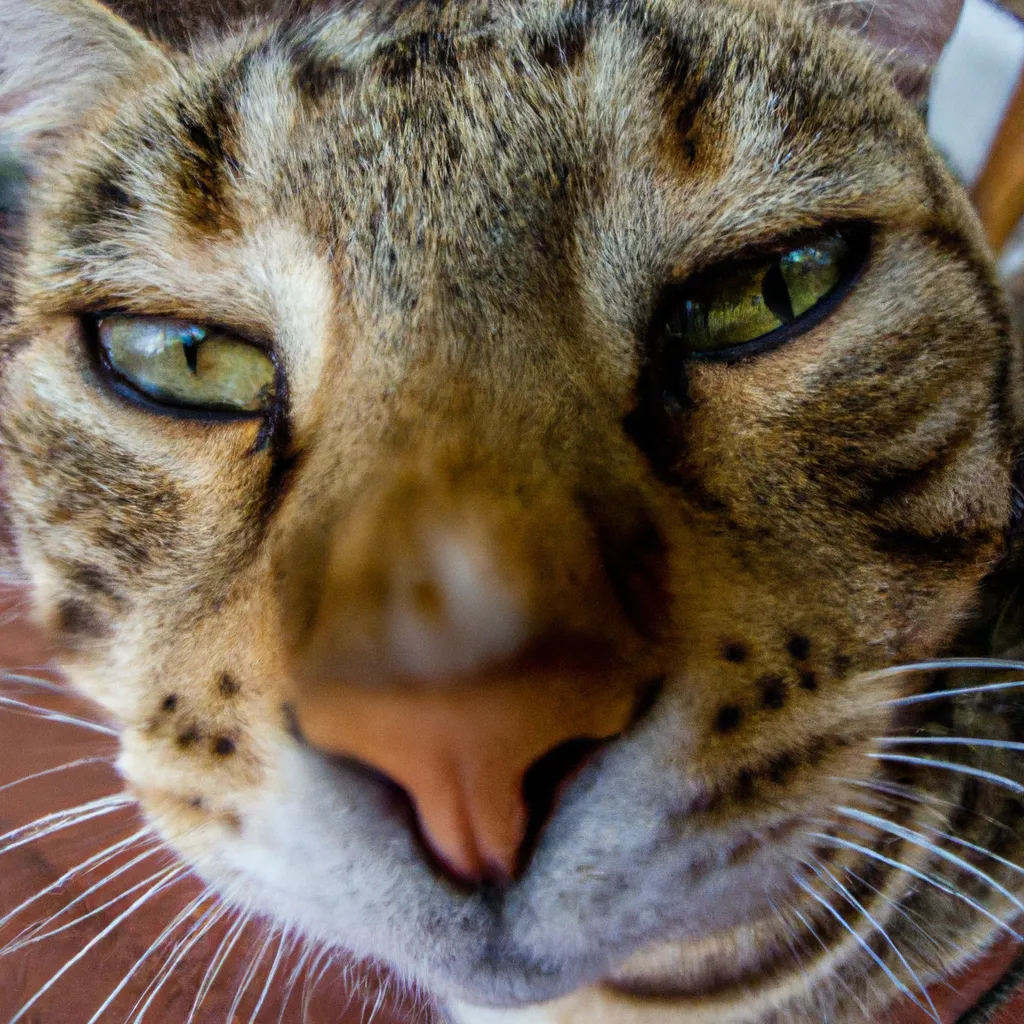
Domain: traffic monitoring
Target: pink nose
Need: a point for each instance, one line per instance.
(462, 752)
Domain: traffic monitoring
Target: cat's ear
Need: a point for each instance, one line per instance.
(56, 59)
(909, 34)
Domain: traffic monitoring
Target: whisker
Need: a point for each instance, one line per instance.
(964, 691)
(293, 979)
(53, 771)
(133, 970)
(963, 769)
(58, 820)
(951, 741)
(866, 947)
(21, 679)
(55, 716)
(320, 966)
(250, 974)
(217, 962)
(835, 975)
(200, 928)
(818, 868)
(95, 861)
(270, 977)
(896, 791)
(173, 874)
(36, 933)
(946, 665)
(922, 841)
(911, 919)
(931, 880)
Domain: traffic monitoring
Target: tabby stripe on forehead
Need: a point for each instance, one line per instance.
(317, 77)
(399, 60)
(562, 44)
(207, 154)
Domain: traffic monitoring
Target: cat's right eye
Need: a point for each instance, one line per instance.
(186, 367)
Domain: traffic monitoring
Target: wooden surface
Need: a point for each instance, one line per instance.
(29, 745)
(999, 192)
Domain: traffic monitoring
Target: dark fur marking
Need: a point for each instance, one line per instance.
(735, 652)
(773, 692)
(77, 621)
(170, 703)
(633, 553)
(398, 61)
(94, 581)
(228, 686)
(316, 77)
(799, 647)
(189, 738)
(563, 47)
(728, 718)
(224, 746)
(947, 547)
(206, 157)
(781, 768)
(808, 681)
(883, 487)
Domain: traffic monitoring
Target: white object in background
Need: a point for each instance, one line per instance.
(973, 83)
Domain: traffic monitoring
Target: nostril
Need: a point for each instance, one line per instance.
(546, 779)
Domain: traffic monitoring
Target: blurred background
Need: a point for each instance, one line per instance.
(82, 948)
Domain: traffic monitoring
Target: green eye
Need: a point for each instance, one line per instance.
(751, 306)
(175, 363)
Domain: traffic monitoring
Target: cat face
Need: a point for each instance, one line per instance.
(425, 441)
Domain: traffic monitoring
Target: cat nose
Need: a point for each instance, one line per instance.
(462, 752)
(455, 651)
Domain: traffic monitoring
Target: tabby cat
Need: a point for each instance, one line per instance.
(508, 468)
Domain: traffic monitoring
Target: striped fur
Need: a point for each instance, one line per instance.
(452, 224)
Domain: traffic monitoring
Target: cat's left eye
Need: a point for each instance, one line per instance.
(187, 367)
(750, 306)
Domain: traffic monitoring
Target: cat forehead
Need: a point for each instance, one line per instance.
(499, 138)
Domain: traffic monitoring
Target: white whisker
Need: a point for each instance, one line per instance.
(270, 978)
(250, 974)
(911, 919)
(836, 977)
(293, 979)
(949, 741)
(200, 928)
(53, 771)
(836, 884)
(922, 841)
(36, 933)
(96, 860)
(947, 665)
(898, 792)
(964, 691)
(170, 877)
(931, 880)
(55, 716)
(866, 947)
(58, 820)
(21, 679)
(320, 965)
(952, 766)
(220, 957)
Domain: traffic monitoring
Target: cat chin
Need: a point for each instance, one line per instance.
(329, 851)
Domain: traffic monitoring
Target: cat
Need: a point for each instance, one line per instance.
(508, 469)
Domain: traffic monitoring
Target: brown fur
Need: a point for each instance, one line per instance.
(453, 224)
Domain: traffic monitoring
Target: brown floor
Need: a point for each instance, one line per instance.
(28, 745)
